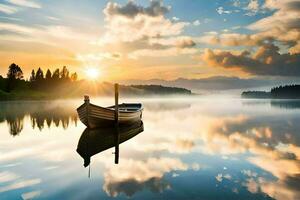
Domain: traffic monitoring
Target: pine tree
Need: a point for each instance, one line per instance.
(32, 77)
(48, 75)
(64, 73)
(74, 77)
(56, 74)
(39, 74)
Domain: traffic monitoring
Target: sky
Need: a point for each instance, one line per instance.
(154, 39)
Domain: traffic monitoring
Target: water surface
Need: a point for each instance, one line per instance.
(190, 149)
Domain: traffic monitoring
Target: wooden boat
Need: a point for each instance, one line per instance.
(94, 116)
(94, 141)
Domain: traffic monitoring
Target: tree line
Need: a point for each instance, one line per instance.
(38, 79)
(281, 92)
(63, 75)
(288, 91)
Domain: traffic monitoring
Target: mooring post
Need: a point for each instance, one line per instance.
(117, 123)
(87, 102)
(117, 103)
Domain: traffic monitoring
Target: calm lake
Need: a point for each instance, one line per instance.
(198, 148)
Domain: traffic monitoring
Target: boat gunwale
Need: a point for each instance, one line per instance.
(110, 109)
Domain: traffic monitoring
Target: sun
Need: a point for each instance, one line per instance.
(92, 73)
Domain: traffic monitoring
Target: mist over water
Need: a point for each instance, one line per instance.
(201, 148)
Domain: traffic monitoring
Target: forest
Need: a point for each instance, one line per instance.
(281, 92)
(61, 83)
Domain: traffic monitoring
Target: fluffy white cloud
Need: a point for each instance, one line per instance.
(252, 7)
(120, 29)
(175, 18)
(196, 22)
(132, 22)
(283, 27)
(146, 30)
(221, 11)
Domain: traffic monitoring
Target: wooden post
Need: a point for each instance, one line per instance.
(117, 103)
(117, 123)
(87, 102)
(117, 137)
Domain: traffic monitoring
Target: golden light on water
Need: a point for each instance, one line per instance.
(92, 73)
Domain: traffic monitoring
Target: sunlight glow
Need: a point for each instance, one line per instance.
(92, 73)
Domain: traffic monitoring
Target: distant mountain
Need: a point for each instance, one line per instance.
(216, 83)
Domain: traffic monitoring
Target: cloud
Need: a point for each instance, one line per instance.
(283, 18)
(196, 22)
(221, 11)
(43, 34)
(16, 28)
(7, 176)
(252, 40)
(234, 39)
(267, 60)
(252, 7)
(25, 3)
(8, 9)
(282, 28)
(276, 4)
(131, 22)
(179, 42)
(131, 10)
(175, 18)
(169, 52)
(283, 25)
(236, 3)
(129, 30)
(98, 56)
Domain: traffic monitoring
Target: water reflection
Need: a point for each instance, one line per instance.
(94, 141)
(276, 103)
(40, 113)
(287, 104)
(209, 149)
(273, 144)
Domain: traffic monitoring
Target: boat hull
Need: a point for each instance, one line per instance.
(95, 116)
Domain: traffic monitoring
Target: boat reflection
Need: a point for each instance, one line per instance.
(94, 141)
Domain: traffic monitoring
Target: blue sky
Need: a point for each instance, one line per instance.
(165, 39)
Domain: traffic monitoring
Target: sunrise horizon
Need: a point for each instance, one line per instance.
(123, 39)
